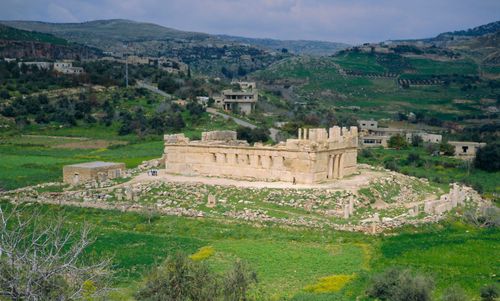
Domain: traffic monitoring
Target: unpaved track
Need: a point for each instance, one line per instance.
(351, 183)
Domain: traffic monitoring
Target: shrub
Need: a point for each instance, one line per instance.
(490, 292)
(454, 293)
(181, 278)
(447, 149)
(392, 165)
(488, 157)
(416, 140)
(398, 142)
(367, 153)
(400, 285)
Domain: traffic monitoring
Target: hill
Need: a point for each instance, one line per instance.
(489, 28)
(10, 33)
(204, 53)
(17, 43)
(294, 46)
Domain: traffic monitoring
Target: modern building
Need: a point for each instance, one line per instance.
(242, 102)
(67, 68)
(92, 171)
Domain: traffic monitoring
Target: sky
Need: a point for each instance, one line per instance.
(348, 21)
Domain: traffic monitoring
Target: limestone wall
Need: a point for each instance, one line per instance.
(318, 156)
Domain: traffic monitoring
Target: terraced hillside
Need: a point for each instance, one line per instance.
(381, 85)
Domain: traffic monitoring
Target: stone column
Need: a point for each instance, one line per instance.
(341, 166)
(330, 167)
(336, 167)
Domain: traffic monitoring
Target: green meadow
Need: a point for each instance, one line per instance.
(289, 261)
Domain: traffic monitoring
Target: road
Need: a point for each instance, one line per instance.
(152, 88)
(273, 132)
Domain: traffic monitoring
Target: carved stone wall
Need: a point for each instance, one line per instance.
(316, 156)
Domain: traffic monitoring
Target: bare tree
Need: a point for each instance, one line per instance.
(40, 259)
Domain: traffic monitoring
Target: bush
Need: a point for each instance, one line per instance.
(253, 135)
(400, 285)
(447, 149)
(398, 142)
(367, 153)
(416, 140)
(391, 165)
(454, 293)
(490, 292)
(181, 278)
(488, 157)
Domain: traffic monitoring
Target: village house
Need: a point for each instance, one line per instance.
(466, 149)
(99, 171)
(242, 101)
(66, 67)
(372, 136)
(317, 155)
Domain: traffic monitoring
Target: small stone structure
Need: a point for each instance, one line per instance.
(92, 171)
(316, 156)
(466, 149)
(457, 196)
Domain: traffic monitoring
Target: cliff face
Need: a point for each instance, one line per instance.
(33, 49)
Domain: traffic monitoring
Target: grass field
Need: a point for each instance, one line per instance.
(440, 170)
(288, 261)
(40, 156)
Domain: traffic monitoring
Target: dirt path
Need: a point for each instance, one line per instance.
(352, 183)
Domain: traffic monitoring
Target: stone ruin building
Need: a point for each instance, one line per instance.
(317, 155)
(99, 171)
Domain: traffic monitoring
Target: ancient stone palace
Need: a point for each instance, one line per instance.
(317, 155)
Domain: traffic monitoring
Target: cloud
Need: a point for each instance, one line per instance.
(60, 13)
(353, 21)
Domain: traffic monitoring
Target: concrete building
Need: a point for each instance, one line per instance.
(67, 68)
(316, 156)
(367, 124)
(39, 65)
(92, 171)
(466, 149)
(379, 136)
(426, 137)
(242, 102)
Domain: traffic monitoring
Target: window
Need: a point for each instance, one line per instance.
(248, 159)
(236, 159)
(214, 158)
(465, 149)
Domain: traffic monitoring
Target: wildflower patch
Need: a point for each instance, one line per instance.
(329, 284)
(203, 253)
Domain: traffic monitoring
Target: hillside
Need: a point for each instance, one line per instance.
(293, 46)
(10, 33)
(474, 32)
(204, 53)
(375, 85)
(17, 43)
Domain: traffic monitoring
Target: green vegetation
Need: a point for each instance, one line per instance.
(10, 33)
(289, 261)
(321, 86)
(441, 170)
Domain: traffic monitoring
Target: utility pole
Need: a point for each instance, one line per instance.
(126, 71)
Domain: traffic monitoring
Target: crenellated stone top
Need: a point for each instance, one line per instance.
(317, 139)
(335, 133)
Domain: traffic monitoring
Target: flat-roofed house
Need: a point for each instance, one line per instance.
(466, 149)
(92, 171)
